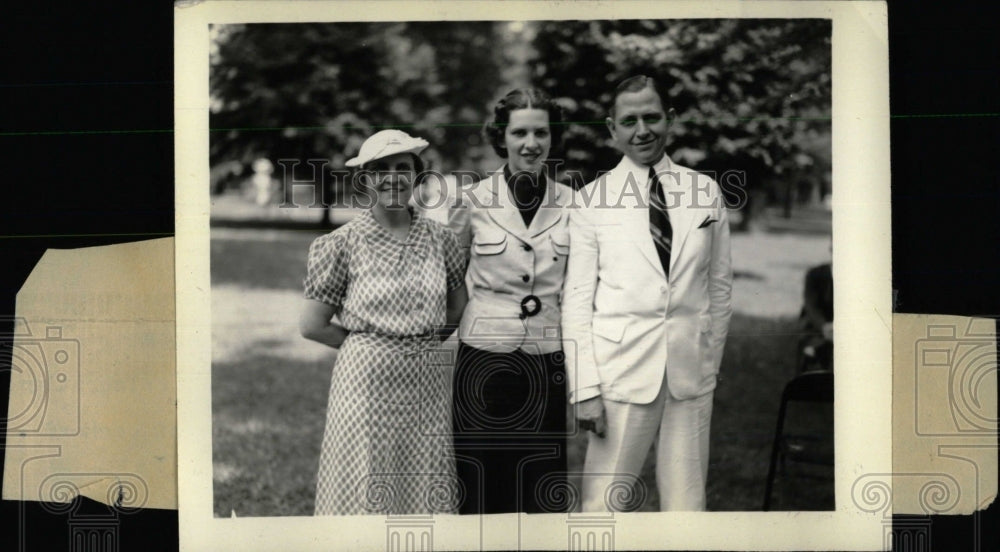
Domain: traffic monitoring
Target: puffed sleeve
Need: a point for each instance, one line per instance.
(454, 260)
(327, 270)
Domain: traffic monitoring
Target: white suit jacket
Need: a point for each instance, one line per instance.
(623, 321)
(509, 262)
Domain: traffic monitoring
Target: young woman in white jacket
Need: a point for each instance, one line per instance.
(509, 409)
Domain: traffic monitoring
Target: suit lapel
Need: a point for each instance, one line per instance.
(505, 214)
(549, 212)
(681, 220)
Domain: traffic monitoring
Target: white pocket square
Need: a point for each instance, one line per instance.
(708, 220)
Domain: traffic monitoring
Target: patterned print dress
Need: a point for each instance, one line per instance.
(387, 443)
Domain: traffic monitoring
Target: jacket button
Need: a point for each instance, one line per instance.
(526, 247)
(525, 278)
(663, 289)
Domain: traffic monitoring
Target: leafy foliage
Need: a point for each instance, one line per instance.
(316, 91)
(749, 94)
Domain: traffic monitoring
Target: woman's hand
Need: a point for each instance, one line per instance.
(315, 324)
(457, 298)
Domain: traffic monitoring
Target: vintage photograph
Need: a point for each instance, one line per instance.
(511, 276)
(538, 266)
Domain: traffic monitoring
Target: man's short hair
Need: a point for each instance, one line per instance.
(635, 83)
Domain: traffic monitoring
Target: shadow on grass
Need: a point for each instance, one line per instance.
(759, 360)
(268, 417)
(260, 263)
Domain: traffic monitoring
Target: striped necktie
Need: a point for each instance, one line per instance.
(659, 222)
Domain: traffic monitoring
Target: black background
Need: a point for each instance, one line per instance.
(107, 66)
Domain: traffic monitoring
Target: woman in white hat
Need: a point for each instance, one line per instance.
(509, 414)
(394, 279)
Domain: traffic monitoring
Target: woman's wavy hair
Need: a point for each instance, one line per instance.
(522, 98)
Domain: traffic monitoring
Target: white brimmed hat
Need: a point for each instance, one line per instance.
(385, 143)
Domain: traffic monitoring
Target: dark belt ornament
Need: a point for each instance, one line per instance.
(530, 306)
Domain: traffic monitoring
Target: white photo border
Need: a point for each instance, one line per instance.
(861, 242)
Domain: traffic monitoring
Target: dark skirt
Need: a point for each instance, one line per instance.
(509, 427)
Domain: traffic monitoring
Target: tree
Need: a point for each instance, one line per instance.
(751, 95)
(316, 91)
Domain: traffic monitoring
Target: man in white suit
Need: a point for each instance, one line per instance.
(646, 311)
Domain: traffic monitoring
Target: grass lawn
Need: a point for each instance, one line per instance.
(269, 386)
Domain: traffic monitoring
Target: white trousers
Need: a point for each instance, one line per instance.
(614, 462)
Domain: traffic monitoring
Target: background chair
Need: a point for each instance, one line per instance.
(814, 387)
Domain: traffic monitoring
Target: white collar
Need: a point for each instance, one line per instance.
(663, 165)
